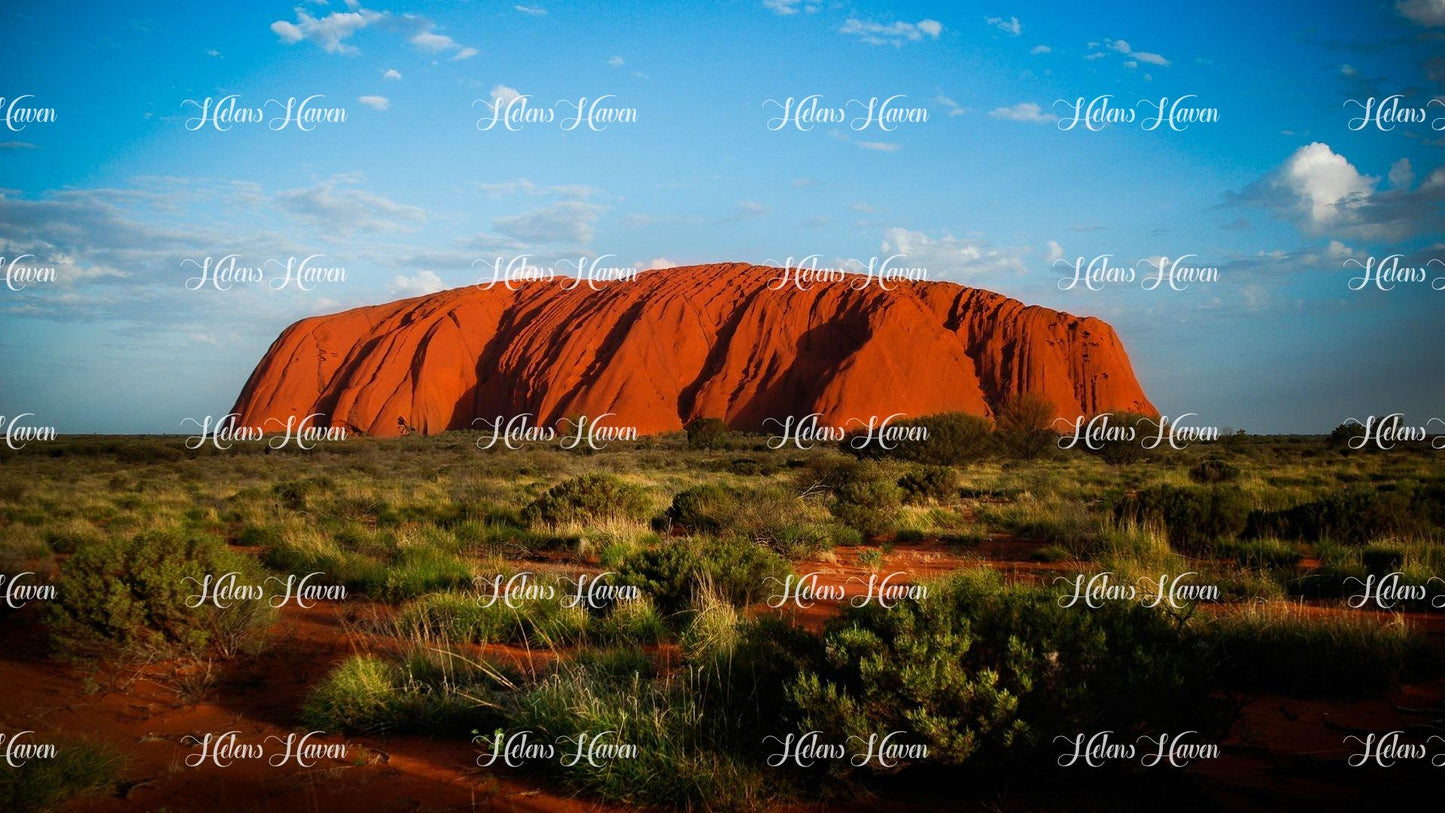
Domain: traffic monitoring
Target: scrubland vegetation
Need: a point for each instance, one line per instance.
(697, 669)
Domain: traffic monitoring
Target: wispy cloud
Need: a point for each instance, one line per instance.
(747, 210)
(1010, 26)
(1023, 111)
(895, 34)
(790, 7)
(332, 32)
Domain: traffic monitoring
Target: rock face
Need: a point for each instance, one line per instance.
(726, 341)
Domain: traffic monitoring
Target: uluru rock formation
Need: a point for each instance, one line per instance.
(667, 346)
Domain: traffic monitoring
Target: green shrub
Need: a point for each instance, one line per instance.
(672, 573)
(1214, 470)
(418, 570)
(867, 501)
(1261, 553)
(1024, 426)
(676, 763)
(979, 667)
(769, 516)
(1194, 517)
(954, 439)
(702, 509)
(1382, 559)
(72, 536)
(635, 622)
(360, 695)
(589, 499)
(130, 596)
(706, 433)
(923, 484)
(1355, 517)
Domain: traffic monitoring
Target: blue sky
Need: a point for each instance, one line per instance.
(117, 193)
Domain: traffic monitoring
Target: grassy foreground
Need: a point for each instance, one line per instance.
(695, 665)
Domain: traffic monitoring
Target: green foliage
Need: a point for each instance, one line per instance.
(1024, 426)
(702, 509)
(1291, 650)
(1260, 553)
(706, 433)
(589, 499)
(979, 667)
(1122, 451)
(863, 498)
(78, 769)
(954, 439)
(1354, 516)
(675, 762)
(1194, 517)
(459, 616)
(923, 484)
(672, 573)
(1214, 470)
(131, 597)
(434, 692)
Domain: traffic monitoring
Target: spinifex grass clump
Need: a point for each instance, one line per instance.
(382, 564)
(78, 769)
(461, 616)
(667, 720)
(433, 691)
(1293, 649)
